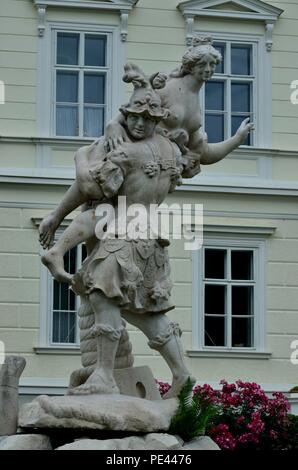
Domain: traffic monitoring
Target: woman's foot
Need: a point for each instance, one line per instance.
(55, 264)
(47, 230)
(98, 383)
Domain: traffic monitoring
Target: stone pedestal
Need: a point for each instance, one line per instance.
(100, 412)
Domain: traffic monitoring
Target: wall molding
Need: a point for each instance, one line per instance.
(124, 7)
(249, 10)
(230, 354)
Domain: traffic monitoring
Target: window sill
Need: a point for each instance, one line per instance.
(229, 354)
(58, 350)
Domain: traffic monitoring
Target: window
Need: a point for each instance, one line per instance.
(229, 95)
(229, 297)
(229, 293)
(81, 77)
(64, 303)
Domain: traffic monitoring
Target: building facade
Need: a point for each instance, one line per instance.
(236, 299)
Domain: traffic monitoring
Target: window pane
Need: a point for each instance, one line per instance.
(84, 252)
(242, 332)
(64, 327)
(215, 261)
(242, 265)
(64, 298)
(94, 88)
(241, 97)
(214, 96)
(95, 50)
(70, 261)
(67, 87)
(215, 299)
(214, 126)
(67, 48)
(242, 300)
(236, 121)
(241, 58)
(214, 331)
(67, 120)
(222, 49)
(93, 121)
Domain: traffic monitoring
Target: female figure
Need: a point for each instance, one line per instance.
(182, 122)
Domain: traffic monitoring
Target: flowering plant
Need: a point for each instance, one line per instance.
(246, 417)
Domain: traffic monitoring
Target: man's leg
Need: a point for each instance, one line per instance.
(82, 228)
(107, 330)
(164, 336)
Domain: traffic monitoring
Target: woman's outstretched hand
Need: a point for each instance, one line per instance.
(244, 129)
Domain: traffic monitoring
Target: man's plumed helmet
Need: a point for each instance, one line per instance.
(144, 100)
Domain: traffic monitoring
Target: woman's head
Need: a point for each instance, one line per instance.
(199, 60)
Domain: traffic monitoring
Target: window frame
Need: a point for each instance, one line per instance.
(46, 75)
(80, 68)
(227, 78)
(50, 306)
(229, 241)
(46, 307)
(262, 85)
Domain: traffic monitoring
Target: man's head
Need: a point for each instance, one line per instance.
(144, 109)
(140, 126)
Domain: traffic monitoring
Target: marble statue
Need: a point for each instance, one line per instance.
(155, 142)
(10, 373)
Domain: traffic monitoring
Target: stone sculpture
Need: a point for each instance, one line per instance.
(146, 151)
(10, 373)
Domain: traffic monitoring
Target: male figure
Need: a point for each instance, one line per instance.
(128, 277)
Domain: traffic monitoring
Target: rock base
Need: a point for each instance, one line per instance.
(152, 441)
(100, 412)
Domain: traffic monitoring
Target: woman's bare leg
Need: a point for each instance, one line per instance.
(72, 199)
(81, 229)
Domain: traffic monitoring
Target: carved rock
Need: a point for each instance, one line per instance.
(26, 442)
(201, 443)
(109, 412)
(154, 441)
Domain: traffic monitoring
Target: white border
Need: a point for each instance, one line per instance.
(45, 71)
(246, 240)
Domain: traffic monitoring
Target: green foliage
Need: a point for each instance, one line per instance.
(193, 415)
(291, 434)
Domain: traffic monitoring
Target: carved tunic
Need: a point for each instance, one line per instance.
(134, 272)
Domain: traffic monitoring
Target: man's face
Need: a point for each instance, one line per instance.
(139, 126)
(204, 69)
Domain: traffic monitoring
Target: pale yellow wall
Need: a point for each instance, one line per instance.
(18, 58)
(155, 42)
(285, 63)
(20, 273)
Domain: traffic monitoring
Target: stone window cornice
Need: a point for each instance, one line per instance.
(249, 10)
(122, 6)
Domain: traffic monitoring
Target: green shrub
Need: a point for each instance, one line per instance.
(193, 415)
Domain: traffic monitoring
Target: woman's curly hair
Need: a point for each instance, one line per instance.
(194, 55)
